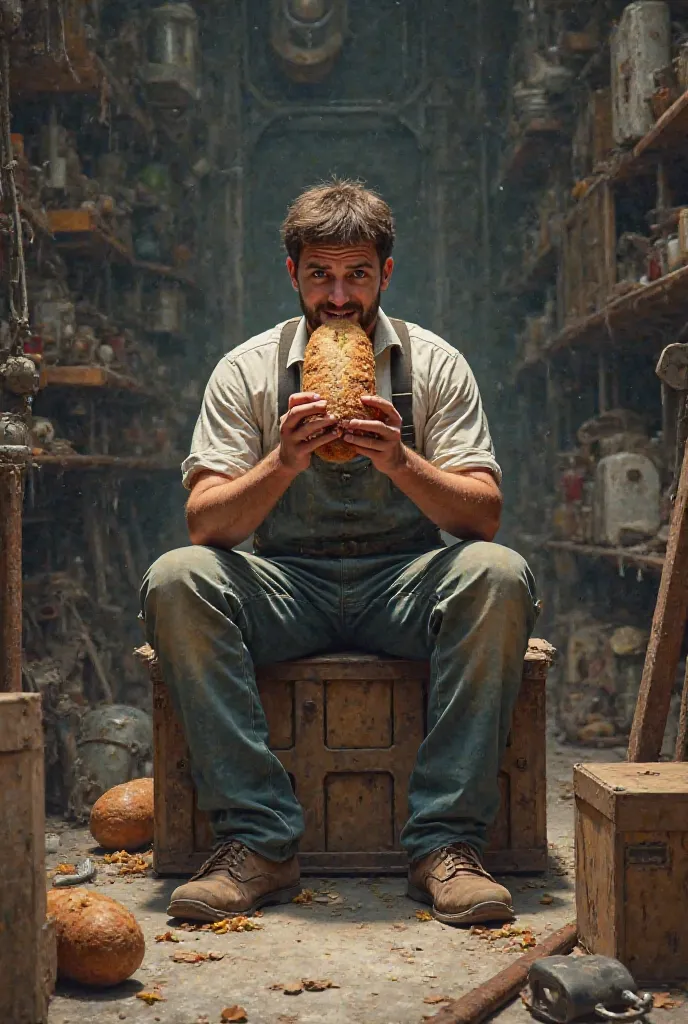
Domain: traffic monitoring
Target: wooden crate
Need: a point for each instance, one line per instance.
(347, 728)
(588, 246)
(28, 955)
(632, 865)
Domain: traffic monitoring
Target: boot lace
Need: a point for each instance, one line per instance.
(462, 858)
(227, 857)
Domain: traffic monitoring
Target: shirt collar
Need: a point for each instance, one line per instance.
(385, 336)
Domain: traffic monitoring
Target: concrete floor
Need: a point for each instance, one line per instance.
(390, 967)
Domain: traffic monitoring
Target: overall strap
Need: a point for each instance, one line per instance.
(288, 377)
(402, 382)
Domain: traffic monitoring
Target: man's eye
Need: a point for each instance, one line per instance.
(319, 274)
(359, 274)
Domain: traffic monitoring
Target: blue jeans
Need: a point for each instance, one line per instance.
(212, 615)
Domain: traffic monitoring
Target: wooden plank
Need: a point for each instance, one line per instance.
(654, 562)
(27, 941)
(12, 464)
(669, 132)
(107, 462)
(87, 377)
(664, 647)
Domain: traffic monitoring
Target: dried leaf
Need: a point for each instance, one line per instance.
(437, 999)
(293, 988)
(232, 924)
(424, 915)
(187, 957)
(233, 1015)
(288, 1018)
(665, 1001)
(130, 863)
(65, 869)
(311, 985)
(150, 997)
(216, 956)
(546, 899)
(167, 937)
(305, 896)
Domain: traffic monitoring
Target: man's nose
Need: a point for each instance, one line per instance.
(338, 294)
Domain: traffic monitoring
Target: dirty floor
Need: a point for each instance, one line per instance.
(362, 935)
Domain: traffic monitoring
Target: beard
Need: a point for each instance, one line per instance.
(316, 316)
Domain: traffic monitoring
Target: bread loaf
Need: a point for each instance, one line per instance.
(339, 365)
(122, 818)
(99, 942)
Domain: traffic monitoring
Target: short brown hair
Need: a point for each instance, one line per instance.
(339, 212)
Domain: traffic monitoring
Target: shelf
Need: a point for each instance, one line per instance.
(87, 377)
(152, 464)
(78, 231)
(619, 555)
(36, 74)
(631, 315)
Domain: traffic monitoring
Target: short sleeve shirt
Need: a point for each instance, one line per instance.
(239, 424)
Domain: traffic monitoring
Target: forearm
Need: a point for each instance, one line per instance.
(226, 514)
(459, 504)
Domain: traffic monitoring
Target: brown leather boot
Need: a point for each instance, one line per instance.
(235, 880)
(459, 889)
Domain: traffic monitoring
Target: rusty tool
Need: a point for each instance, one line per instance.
(489, 997)
(669, 620)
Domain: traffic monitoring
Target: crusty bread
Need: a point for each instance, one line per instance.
(339, 365)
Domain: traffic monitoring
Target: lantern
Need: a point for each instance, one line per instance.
(172, 70)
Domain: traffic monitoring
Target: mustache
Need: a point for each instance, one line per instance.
(349, 308)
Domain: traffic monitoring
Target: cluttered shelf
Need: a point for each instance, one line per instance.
(88, 377)
(79, 232)
(665, 299)
(167, 464)
(622, 556)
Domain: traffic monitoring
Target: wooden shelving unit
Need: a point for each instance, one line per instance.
(88, 377)
(621, 556)
(115, 462)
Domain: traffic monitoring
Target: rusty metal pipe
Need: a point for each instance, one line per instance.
(486, 999)
(13, 462)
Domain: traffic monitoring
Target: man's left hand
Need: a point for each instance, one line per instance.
(384, 447)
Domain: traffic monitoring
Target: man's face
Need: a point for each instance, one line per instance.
(340, 283)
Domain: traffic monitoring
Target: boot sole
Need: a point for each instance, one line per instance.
(195, 910)
(492, 910)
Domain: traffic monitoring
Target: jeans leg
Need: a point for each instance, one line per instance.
(470, 609)
(210, 615)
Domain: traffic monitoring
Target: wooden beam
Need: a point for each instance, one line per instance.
(664, 648)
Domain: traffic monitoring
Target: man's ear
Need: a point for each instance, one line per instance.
(386, 277)
(293, 270)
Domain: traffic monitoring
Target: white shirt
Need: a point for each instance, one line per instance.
(239, 425)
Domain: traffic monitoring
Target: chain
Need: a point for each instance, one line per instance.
(18, 299)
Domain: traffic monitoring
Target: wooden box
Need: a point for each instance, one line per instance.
(632, 866)
(28, 952)
(347, 728)
(588, 244)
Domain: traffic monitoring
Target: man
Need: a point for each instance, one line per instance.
(348, 555)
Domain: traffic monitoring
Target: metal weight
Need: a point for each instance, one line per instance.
(564, 989)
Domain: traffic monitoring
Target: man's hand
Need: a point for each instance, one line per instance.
(384, 448)
(296, 436)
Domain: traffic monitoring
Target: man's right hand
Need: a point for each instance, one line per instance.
(296, 436)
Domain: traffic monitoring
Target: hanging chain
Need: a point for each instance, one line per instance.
(18, 299)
